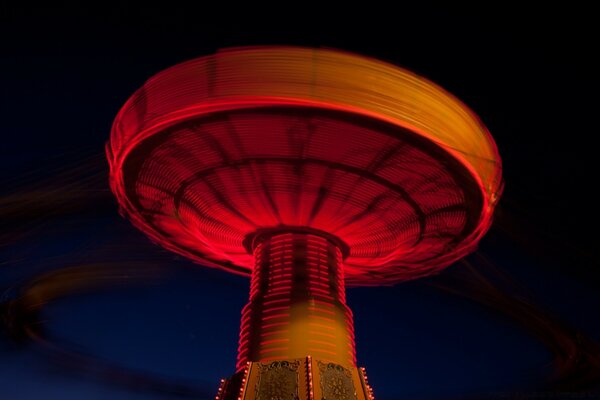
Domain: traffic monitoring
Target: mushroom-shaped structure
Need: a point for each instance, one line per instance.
(305, 168)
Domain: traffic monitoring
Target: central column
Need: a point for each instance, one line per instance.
(297, 305)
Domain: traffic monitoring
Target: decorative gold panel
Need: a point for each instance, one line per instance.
(278, 380)
(336, 382)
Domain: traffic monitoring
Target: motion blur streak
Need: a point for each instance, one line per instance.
(23, 321)
(576, 357)
(209, 151)
(73, 190)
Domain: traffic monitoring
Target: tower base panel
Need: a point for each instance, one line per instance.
(296, 379)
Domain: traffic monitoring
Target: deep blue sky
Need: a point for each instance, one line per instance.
(530, 76)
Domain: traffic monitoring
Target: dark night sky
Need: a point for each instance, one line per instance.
(518, 318)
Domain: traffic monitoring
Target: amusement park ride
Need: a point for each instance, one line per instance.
(307, 170)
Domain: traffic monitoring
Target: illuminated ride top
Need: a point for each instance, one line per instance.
(306, 169)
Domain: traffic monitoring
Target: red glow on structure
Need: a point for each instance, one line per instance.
(206, 154)
(306, 169)
(297, 279)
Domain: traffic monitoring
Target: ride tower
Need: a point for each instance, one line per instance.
(307, 170)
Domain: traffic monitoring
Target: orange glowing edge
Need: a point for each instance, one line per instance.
(471, 144)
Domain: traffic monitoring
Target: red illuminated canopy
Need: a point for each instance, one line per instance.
(213, 152)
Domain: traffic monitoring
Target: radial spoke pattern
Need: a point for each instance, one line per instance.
(393, 198)
(210, 151)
